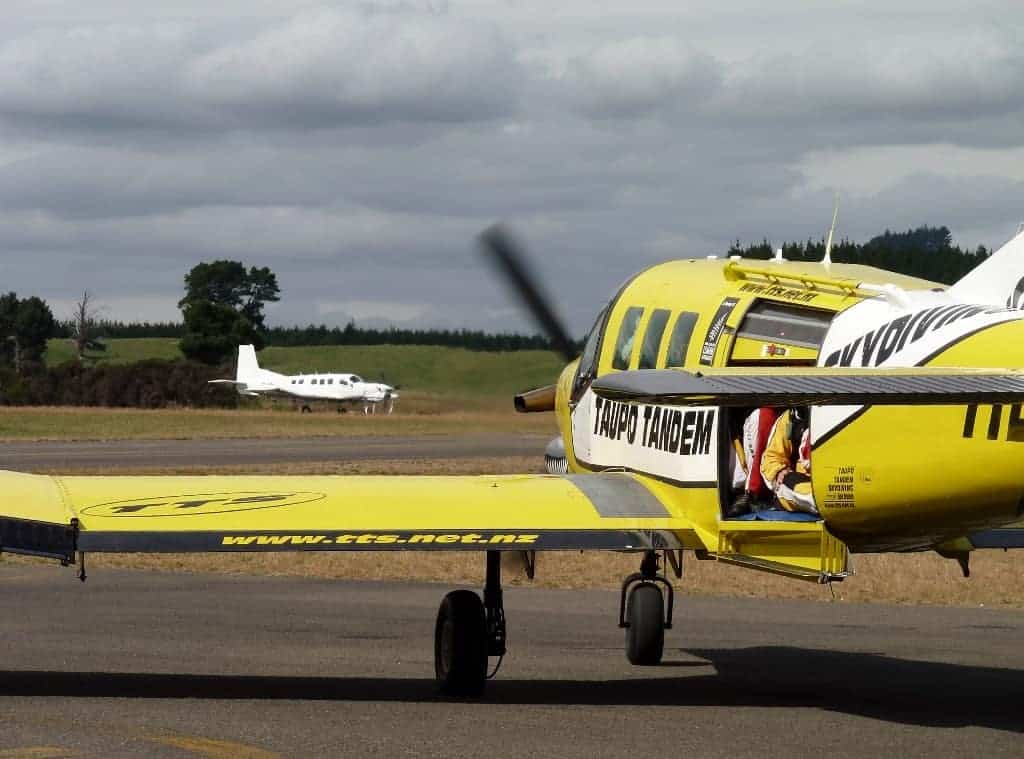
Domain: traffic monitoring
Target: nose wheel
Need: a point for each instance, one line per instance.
(469, 630)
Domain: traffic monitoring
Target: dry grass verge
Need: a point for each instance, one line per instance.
(424, 416)
(894, 578)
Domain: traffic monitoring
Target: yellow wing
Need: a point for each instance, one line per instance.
(54, 516)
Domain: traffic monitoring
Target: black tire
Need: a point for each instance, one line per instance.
(460, 644)
(306, 410)
(645, 635)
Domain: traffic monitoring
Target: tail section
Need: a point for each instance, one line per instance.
(249, 378)
(999, 281)
(248, 368)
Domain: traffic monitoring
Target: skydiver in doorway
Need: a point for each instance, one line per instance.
(786, 463)
(749, 442)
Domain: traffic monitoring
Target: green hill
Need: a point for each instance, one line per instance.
(419, 368)
(119, 351)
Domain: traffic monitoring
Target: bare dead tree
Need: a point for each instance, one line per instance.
(84, 319)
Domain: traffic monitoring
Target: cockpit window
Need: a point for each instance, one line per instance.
(355, 378)
(652, 337)
(626, 338)
(680, 341)
(587, 369)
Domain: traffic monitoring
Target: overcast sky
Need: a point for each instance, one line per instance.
(357, 148)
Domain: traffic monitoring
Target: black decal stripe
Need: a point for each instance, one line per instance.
(716, 328)
(546, 540)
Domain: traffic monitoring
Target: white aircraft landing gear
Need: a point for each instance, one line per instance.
(643, 612)
(469, 631)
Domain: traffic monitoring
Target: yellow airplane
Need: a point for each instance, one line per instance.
(913, 392)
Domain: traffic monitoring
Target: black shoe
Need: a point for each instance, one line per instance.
(739, 506)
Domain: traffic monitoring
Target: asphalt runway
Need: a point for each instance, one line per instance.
(151, 664)
(78, 455)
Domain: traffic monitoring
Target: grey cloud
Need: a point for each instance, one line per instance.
(641, 75)
(330, 66)
(317, 69)
(258, 233)
(475, 172)
(962, 73)
(885, 87)
(358, 152)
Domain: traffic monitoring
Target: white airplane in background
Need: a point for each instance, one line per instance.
(342, 389)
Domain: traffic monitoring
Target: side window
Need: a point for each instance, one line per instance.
(793, 325)
(680, 340)
(627, 336)
(652, 338)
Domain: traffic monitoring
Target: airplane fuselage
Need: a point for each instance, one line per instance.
(338, 387)
(883, 477)
(333, 387)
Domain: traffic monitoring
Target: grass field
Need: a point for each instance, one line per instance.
(442, 390)
(422, 369)
(424, 417)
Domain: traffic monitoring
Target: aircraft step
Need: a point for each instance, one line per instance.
(803, 550)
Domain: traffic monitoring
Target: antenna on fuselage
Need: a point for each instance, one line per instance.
(831, 233)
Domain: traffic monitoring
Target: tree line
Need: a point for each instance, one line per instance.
(321, 334)
(224, 307)
(925, 252)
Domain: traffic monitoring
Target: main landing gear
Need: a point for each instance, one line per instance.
(468, 632)
(470, 629)
(643, 612)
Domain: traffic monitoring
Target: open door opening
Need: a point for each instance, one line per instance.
(765, 532)
(766, 451)
(766, 464)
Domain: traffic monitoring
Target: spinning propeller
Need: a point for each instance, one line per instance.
(512, 263)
